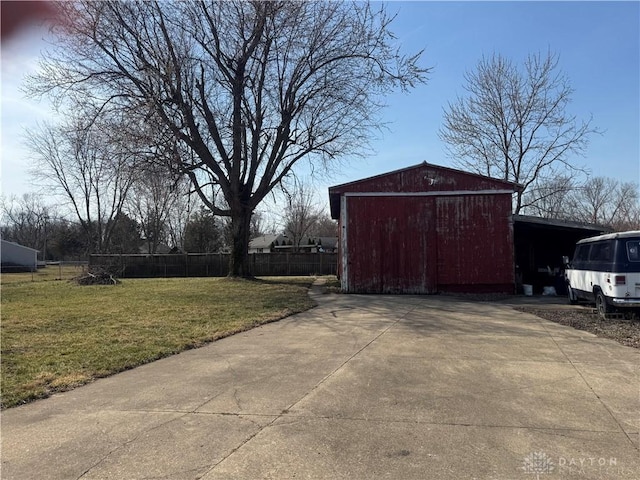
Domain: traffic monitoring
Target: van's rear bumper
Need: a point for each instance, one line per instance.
(626, 302)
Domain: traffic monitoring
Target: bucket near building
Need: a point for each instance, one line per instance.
(528, 289)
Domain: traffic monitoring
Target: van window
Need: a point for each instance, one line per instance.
(633, 250)
(582, 253)
(601, 252)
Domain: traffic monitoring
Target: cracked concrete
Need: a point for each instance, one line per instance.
(360, 387)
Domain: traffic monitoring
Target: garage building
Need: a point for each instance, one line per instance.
(425, 229)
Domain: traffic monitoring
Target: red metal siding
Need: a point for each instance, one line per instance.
(389, 245)
(475, 243)
(415, 244)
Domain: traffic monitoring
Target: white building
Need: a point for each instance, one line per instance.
(14, 255)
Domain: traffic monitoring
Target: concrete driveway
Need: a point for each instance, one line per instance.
(361, 387)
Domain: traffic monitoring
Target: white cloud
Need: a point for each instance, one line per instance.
(20, 57)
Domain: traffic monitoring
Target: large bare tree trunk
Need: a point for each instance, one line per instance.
(239, 265)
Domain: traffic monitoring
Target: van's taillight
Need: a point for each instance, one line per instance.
(621, 280)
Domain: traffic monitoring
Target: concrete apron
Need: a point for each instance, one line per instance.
(398, 387)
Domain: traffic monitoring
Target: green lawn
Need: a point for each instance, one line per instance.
(57, 335)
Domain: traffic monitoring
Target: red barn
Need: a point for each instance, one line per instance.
(425, 229)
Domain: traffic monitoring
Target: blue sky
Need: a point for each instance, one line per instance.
(598, 44)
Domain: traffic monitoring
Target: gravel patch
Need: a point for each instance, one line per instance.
(626, 332)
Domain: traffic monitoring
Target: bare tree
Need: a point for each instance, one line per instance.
(598, 200)
(178, 218)
(259, 225)
(607, 201)
(628, 217)
(247, 89)
(551, 198)
(27, 220)
(155, 199)
(325, 226)
(203, 233)
(300, 216)
(514, 123)
(84, 165)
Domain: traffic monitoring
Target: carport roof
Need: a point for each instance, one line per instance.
(560, 224)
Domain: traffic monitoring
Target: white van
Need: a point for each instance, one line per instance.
(606, 270)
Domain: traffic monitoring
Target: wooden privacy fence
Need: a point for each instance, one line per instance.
(214, 264)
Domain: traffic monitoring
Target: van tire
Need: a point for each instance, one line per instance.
(602, 306)
(571, 295)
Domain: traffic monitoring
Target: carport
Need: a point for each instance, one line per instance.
(540, 244)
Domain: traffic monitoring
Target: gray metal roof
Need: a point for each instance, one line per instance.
(556, 222)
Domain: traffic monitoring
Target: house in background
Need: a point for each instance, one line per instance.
(309, 245)
(282, 244)
(18, 257)
(266, 243)
(425, 229)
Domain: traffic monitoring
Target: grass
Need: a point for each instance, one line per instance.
(49, 273)
(57, 335)
(332, 285)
